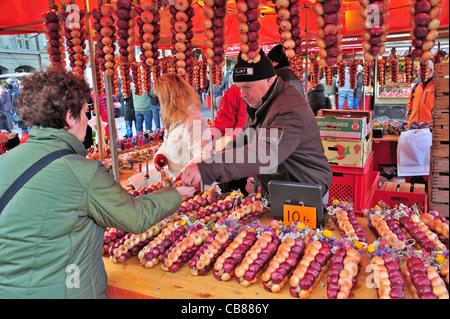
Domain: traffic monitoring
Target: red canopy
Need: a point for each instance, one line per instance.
(22, 16)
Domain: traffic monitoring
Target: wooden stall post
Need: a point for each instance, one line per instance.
(306, 50)
(211, 93)
(112, 127)
(94, 81)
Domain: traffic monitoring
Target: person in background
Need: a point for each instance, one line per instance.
(421, 99)
(156, 108)
(281, 64)
(230, 119)
(187, 137)
(52, 229)
(285, 133)
(317, 99)
(359, 91)
(6, 109)
(129, 117)
(330, 91)
(142, 110)
(345, 93)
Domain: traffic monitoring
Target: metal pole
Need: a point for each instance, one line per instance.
(112, 128)
(211, 93)
(307, 58)
(100, 136)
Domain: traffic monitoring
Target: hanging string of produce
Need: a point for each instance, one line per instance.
(329, 34)
(341, 72)
(424, 21)
(296, 65)
(375, 26)
(249, 25)
(315, 70)
(393, 66)
(288, 19)
(54, 34)
(182, 34)
(215, 32)
(381, 71)
(75, 34)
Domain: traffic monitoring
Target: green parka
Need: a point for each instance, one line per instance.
(51, 232)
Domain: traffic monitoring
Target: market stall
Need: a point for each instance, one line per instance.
(367, 231)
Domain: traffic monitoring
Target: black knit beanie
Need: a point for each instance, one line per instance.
(249, 72)
(277, 55)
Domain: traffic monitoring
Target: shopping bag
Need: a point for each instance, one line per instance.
(413, 153)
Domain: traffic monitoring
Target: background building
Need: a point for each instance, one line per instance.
(22, 53)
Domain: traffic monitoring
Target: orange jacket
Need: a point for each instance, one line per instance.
(421, 103)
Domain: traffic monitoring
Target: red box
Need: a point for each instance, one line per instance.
(354, 184)
(393, 199)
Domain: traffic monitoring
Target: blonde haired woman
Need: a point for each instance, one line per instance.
(187, 136)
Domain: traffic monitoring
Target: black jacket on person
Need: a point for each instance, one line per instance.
(129, 110)
(317, 99)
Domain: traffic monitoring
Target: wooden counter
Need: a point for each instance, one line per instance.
(129, 280)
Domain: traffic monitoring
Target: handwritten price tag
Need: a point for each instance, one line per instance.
(294, 213)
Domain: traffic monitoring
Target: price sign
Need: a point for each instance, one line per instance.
(303, 214)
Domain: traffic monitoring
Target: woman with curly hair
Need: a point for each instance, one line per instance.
(187, 135)
(52, 228)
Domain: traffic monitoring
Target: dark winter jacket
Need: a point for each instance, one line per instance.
(288, 143)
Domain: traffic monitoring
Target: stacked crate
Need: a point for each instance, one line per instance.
(439, 172)
(347, 142)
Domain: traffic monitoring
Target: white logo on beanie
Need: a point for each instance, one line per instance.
(243, 71)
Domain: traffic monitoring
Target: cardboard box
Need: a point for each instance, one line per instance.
(347, 153)
(345, 125)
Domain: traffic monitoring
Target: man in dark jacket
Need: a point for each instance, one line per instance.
(281, 64)
(317, 99)
(280, 139)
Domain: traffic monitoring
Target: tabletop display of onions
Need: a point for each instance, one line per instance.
(310, 269)
(214, 246)
(393, 66)
(152, 253)
(249, 25)
(226, 263)
(388, 277)
(183, 248)
(288, 19)
(215, 31)
(283, 263)
(345, 220)
(182, 34)
(375, 26)
(424, 280)
(387, 229)
(422, 240)
(381, 71)
(368, 65)
(343, 273)
(257, 258)
(424, 21)
(438, 224)
(432, 233)
(54, 34)
(329, 34)
(74, 32)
